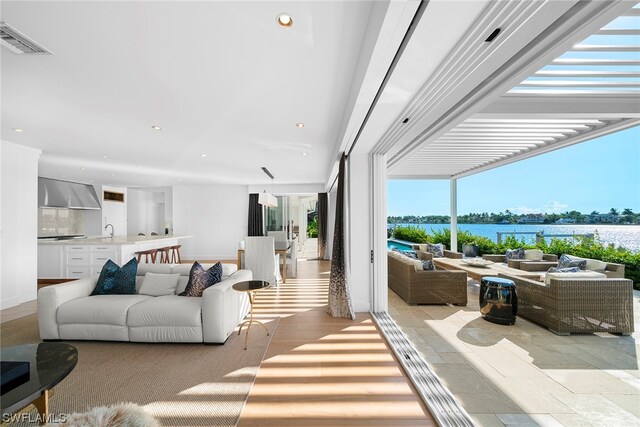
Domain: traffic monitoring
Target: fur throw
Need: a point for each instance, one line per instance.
(122, 415)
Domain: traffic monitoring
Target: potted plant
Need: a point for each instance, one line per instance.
(471, 249)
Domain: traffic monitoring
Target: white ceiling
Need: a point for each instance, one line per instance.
(220, 78)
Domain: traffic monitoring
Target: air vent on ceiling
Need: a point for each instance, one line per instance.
(18, 43)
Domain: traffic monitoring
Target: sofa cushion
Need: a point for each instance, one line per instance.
(514, 254)
(99, 309)
(567, 261)
(533, 255)
(116, 280)
(574, 276)
(564, 270)
(159, 284)
(200, 279)
(417, 264)
(168, 310)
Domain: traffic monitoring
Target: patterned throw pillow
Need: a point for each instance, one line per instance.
(427, 264)
(410, 254)
(436, 250)
(564, 270)
(514, 254)
(200, 279)
(566, 261)
(116, 280)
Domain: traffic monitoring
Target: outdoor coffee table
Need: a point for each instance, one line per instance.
(251, 287)
(49, 363)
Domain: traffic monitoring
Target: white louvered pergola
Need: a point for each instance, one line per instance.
(591, 90)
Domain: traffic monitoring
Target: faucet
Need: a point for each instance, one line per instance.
(111, 225)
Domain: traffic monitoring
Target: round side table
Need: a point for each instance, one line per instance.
(251, 287)
(498, 300)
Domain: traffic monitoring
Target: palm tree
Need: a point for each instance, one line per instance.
(627, 211)
(594, 212)
(613, 211)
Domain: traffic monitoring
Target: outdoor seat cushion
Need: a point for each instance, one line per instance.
(99, 309)
(574, 276)
(533, 255)
(592, 264)
(167, 310)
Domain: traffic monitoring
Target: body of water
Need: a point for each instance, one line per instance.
(627, 236)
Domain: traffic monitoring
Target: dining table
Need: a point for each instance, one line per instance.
(282, 247)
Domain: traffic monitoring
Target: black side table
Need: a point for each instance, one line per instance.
(498, 300)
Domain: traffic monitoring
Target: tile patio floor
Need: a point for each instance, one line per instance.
(524, 375)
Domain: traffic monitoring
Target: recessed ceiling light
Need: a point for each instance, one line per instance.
(284, 20)
(64, 176)
(105, 157)
(154, 127)
(83, 169)
(203, 155)
(18, 130)
(113, 174)
(139, 167)
(300, 125)
(304, 154)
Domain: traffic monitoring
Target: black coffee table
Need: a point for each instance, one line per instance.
(250, 287)
(49, 363)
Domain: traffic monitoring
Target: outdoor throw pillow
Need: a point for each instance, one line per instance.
(200, 279)
(566, 262)
(563, 270)
(116, 280)
(514, 254)
(427, 264)
(436, 250)
(410, 254)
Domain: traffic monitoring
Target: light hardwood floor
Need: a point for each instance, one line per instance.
(322, 371)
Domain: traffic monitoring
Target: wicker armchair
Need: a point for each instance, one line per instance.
(426, 287)
(577, 305)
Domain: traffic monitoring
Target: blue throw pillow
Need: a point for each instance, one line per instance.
(436, 250)
(427, 264)
(566, 261)
(410, 254)
(514, 254)
(200, 279)
(564, 270)
(116, 280)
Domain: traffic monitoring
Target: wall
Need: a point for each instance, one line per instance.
(18, 224)
(216, 216)
(358, 230)
(145, 212)
(114, 213)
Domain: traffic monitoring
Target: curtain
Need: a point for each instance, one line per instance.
(340, 304)
(322, 224)
(255, 216)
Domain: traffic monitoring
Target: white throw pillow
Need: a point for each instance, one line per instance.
(155, 284)
(533, 254)
(574, 276)
(417, 264)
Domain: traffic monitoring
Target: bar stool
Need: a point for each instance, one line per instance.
(164, 254)
(146, 254)
(175, 254)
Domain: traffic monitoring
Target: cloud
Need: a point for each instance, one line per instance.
(520, 210)
(555, 207)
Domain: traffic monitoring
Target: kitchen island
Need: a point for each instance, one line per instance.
(76, 258)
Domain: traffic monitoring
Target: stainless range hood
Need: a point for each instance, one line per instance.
(53, 193)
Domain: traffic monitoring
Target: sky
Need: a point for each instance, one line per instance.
(599, 174)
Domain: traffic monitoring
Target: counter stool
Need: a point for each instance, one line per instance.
(146, 254)
(164, 254)
(175, 254)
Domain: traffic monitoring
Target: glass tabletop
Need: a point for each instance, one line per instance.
(250, 285)
(49, 363)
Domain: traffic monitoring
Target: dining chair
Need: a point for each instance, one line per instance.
(279, 236)
(261, 259)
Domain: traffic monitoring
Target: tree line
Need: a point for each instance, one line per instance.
(624, 216)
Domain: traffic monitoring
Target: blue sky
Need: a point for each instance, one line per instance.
(599, 174)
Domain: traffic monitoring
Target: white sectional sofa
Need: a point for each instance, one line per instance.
(68, 312)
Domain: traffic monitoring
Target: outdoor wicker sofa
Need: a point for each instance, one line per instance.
(569, 305)
(425, 286)
(612, 270)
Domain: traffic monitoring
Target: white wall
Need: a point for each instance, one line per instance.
(145, 212)
(358, 229)
(18, 224)
(216, 216)
(114, 213)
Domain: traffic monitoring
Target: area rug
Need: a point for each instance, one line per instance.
(178, 384)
